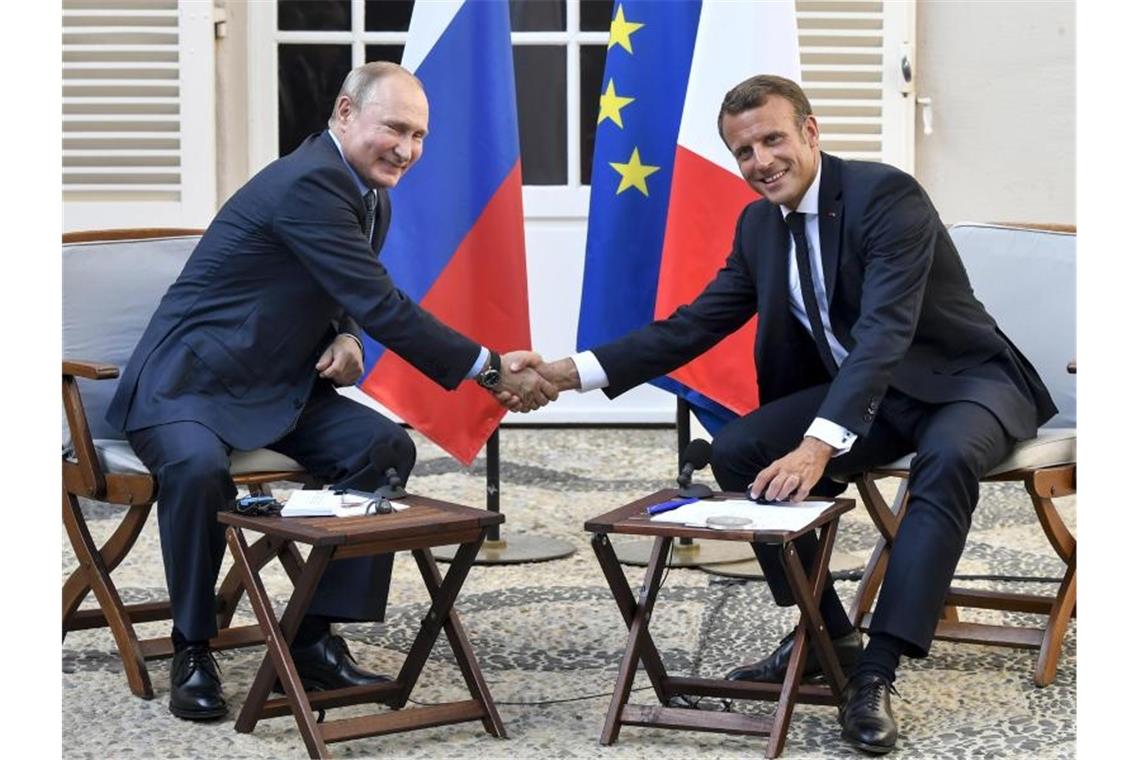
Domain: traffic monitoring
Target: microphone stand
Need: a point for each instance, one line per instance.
(686, 552)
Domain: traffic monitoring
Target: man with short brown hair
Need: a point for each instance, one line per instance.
(870, 344)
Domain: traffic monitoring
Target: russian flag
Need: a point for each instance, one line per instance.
(455, 244)
(652, 246)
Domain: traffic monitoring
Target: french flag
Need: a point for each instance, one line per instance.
(455, 244)
(652, 248)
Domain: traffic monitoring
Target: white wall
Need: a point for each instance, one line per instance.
(1002, 74)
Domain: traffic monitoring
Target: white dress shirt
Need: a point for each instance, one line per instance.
(593, 376)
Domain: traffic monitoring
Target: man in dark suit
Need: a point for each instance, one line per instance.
(244, 352)
(870, 344)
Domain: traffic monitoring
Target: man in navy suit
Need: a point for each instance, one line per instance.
(870, 344)
(244, 352)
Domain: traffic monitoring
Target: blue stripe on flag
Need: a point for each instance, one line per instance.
(626, 232)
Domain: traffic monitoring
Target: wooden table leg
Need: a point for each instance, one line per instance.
(627, 605)
(460, 645)
(443, 597)
(638, 633)
(811, 627)
(278, 661)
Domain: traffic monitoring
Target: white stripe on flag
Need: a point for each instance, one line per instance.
(429, 21)
(734, 41)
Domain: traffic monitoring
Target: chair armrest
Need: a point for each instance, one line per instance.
(90, 370)
(90, 471)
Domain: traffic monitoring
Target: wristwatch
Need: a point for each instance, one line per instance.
(490, 375)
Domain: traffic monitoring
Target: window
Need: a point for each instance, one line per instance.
(559, 57)
(138, 100)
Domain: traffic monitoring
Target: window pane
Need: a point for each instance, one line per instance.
(309, 15)
(540, 87)
(538, 15)
(308, 79)
(391, 53)
(592, 65)
(387, 15)
(595, 15)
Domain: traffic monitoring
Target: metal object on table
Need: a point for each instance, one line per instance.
(510, 549)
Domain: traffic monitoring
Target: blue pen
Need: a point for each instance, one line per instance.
(666, 506)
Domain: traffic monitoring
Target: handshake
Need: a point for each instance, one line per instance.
(527, 382)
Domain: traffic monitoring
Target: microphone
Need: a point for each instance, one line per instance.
(382, 457)
(697, 455)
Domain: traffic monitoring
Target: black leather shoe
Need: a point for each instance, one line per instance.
(773, 667)
(327, 664)
(196, 685)
(866, 716)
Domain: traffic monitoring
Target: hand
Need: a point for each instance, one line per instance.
(342, 362)
(563, 373)
(521, 389)
(791, 477)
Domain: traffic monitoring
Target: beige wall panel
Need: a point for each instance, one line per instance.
(1002, 74)
(231, 85)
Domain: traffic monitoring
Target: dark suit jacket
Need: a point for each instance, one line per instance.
(899, 301)
(283, 267)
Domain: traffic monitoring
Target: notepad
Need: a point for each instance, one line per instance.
(328, 503)
(781, 516)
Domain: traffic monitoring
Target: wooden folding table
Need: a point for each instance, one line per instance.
(427, 523)
(807, 588)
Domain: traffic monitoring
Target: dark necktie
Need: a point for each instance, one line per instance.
(795, 221)
(369, 214)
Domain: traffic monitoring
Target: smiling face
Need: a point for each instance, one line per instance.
(384, 136)
(776, 157)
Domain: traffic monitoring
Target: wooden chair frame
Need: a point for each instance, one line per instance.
(1042, 485)
(84, 477)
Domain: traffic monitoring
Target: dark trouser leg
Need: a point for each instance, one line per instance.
(334, 440)
(750, 443)
(956, 444)
(192, 466)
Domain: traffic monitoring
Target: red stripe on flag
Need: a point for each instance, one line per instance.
(703, 207)
(482, 293)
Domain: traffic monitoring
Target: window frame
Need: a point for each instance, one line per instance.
(569, 201)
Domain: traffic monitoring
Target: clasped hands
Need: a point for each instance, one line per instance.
(528, 382)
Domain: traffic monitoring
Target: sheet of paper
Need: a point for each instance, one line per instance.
(779, 516)
(328, 503)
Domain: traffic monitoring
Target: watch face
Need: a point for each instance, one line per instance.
(489, 378)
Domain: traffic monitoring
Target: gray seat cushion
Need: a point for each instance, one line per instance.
(1051, 448)
(117, 456)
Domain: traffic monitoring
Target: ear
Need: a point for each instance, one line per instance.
(343, 109)
(810, 131)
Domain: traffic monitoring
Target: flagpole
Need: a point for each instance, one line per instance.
(509, 549)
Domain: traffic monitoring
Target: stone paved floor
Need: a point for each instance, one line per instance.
(549, 637)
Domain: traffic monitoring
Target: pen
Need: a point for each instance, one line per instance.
(666, 506)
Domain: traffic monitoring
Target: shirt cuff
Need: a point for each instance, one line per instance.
(590, 372)
(484, 354)
(838, 437)
(358, 343)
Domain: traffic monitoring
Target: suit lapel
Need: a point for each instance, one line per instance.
(830, 220)
(774, 242)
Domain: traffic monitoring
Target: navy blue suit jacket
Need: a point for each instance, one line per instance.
(899, 301)
(282, 268)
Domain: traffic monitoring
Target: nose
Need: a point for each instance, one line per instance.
(762, 156)
(403, 148)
